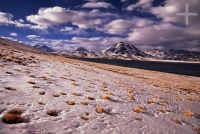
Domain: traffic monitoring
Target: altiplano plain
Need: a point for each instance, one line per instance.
(53, 94)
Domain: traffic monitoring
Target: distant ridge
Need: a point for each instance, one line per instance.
(81, 49)
(44, 48)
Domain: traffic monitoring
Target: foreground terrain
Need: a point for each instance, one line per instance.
(61, 95)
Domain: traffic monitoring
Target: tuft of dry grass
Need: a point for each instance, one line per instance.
(56, 95)
(152, 101)
(132, 98)
(62, 93)
(106, 97)
(72, 80)
(70, 102)
(130, 91)
(17, 111)
(10, 88)
(52, 112)
(91, 98)
(163, 110)
(104, 89)
(176, 121)
(13, 116)
(100, 110)
(31, 82)
(8, 72)
(44, 77)
(85, 116)
(138, 109)
(63, 77)
(36, 86)
(84, 102)
(75, 84)
(76, 94)
(138, 119)
(32, 75)
(41, 103)
(187, 113)
(109, 93)
(162, 102)
(42, 93)
(196, 129)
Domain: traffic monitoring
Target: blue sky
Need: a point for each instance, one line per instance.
(96, 24)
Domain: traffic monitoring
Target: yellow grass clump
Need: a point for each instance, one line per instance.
(137, 109)
(13, 116)
(52, 112)
(76, 94)
(70, 102)
(10, 88)
(100, 110)
(188, 113)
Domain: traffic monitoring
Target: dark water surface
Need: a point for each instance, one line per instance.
(190, 69)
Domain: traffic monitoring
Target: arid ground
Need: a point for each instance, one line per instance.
(43, 93)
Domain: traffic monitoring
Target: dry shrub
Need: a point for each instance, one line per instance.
(91, 98)
(131, 97)
(106, 97)
(104, 89)
(63, 78)
(9, 72)
(13, 116)
(152, 101)
(70, 102)
(32, 75)
(100, 110)
(75, 84)
(85, 116)
(52, 112)
(44, 77)
(41, 103)
(36, 86)
(76, 94)
(188, 113)
(130, 91)
(138, 109)
(84, 102)
(17, 111)
(31, 82)
(196, 129)
(109, 93)
(162, 102)
(176, 121)
(137, 118)
(10, 88)
(56, 95)
(62, 93)
(72, 80)
(163, 110)
(42, 93)
(86, 113)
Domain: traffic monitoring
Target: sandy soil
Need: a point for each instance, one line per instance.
(94, 98)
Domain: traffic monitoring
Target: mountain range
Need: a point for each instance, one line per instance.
(128, 51)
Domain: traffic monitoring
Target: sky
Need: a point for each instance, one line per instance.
(65, 25)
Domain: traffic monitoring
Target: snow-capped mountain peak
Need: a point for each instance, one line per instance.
(81, 49)
(124, 48)
(44, 48)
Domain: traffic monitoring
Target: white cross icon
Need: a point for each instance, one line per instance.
(187, 14)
